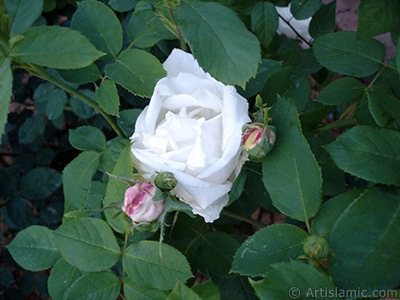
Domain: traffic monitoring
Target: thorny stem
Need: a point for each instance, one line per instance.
(41, 72)
(295, 31)
(242, 218)
(177, 31)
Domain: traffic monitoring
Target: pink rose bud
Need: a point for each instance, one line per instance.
(139, 204)
(258, 140)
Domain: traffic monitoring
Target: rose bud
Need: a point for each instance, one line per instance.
(258, 140)
(139, 203)
(165, 181)
(316, 247)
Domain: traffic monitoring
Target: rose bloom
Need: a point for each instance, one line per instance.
(192, 128)
(301, 26)
(139, 204)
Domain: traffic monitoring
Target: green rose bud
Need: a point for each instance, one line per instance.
(258, 140)
(165, 181)
(316, 247)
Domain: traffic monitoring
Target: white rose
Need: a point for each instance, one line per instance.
(301, 26)
(192, 128)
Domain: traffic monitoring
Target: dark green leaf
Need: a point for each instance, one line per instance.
(234, 288)
(81, 76)
(87, 138)
(377, 17)
(24, 13)
(107, 97)
(294, 280)
(5, 91)
(40, 183)
(368, 153)
(364, 242)
(110, 157)
(55, 106)
(55, 47)
(207, 290)
(6, 277)
(269, 245)
(216, 251)
(237, 187)
(88, 244)
(290, 172)
(323, 21)
(290, 52)
(145, 29)
(138, 292)
(314, 117)
(383, 106)
(341, 91)
(209, 28)
(340, 52)
(101, 286)
(181, 291)
(303, 9)
(122, 5)
(100, 25)
(77, 177)
(288, 83)
(127, 120)
(82, 109)
(264, 21)
(137, 71)
(20, 213)
(34, 249)
(32, 129)
(144, 265)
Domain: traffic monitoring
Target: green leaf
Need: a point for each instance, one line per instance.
(137, 71)
(289, 83)
(24, 13)
(81, 76)
(207, 290)
(368, 153)
(62, 277)
(32, 129)
(87, 138)
(144, 265)
(383, 106)
(6, 277)
(314, 117)
(269, 245)
(264, 22)
(101, 286)
(138, 292)
(294, 280)
(331, 210)
(216, 251)
(340, 52)
(364, 242)
(110, 157)
(82, 109)
(88, 244)
(290, 172)
(146, 29)
(33, 248)
(398, 56)
(181, 291)
(55, 47)
(115, 191)
(237, 187)
(5, 91)
(107, 97)
(303, 9)
(209, 28)
(100, 25)
(122, 5)
(77, 177)
(127, 120)
(376, 18)
(56, 103)
(323, 21)
(40, 183)
(234, 288)
(341, 91)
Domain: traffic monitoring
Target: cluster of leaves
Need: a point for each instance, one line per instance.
(101, 61)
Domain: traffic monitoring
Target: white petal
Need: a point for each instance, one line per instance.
(182, 62)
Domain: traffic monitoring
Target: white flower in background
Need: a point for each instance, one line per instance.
(301, 26)
(192, 128)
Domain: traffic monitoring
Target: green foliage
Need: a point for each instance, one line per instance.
(23, 13)
(87, 138)
(264, 21)
(5, 91)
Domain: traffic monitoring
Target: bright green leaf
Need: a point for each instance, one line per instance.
(264, 21)
(137, 71)
(144, 265)
(5, 91)
(341, 91)
(368, 153)
(33, 248)
(219, 40)
(107, 97)
(340, 52)
(55, 47)
(87, 138)
(290, 172)
(88, 244)
(24, 13)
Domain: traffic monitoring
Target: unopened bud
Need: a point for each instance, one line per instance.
(258, 140)
(165, 181)
(316, 247)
